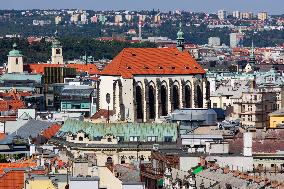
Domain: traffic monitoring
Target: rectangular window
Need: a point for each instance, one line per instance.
(168, 139)
(224, 105)
(133, 138)
(214, 105)
(120, 138)
(250, 108)
(151, 139)
(250, 118)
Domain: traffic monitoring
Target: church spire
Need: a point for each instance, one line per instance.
(252, 55)
(180, 38)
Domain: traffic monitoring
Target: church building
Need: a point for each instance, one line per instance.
(146, 84)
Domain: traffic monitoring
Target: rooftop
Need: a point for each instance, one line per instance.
(152, 61)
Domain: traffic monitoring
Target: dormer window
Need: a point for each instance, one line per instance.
(109, 139)
(187, 67)
(160, 67)
(128, 67)
(146, 67)
(173, 67)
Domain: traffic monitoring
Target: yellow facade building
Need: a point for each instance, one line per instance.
(276, 119)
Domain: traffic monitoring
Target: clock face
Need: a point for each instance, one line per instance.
(58, 51)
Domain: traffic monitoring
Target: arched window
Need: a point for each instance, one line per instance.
(122, 161)
(152, 107)
(109, 160)
(80, 138)
(139, 105)
(164, 100)
(187, 96)
(175, 97)
(199, 97)
(17, 61)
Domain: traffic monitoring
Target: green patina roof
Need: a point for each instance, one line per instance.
(15, 52)
(143, 130)
(56, 44)
(21, 77)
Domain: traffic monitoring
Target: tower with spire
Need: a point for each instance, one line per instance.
(56, 48)
(252, 55)
(250, 67)
(180, 38)
(15, 61)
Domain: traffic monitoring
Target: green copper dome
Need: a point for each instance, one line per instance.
(15, 52)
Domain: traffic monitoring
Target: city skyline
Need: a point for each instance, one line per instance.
(164, 5)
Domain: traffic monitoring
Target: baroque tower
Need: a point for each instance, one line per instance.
(180, 38)
(15, 61)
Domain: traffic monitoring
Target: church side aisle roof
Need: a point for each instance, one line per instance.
(121, 129)
(152, 61)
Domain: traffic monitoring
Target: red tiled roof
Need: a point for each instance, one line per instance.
(152, 61)
(89, 68)
(51, 131)
(14, 179)
(102, 114)
(39, 68)
(11, 105)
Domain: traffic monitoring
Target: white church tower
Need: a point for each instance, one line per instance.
(56, 57)
(15, 61)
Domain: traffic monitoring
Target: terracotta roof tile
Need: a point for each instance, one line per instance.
(51, 131)
(102, 114)
(39, 68)
(11, 105)
(14, 179)
(152, 61)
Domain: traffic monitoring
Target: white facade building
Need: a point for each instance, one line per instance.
(146, 84)
(222, 14)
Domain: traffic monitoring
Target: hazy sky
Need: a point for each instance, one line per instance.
(271, 6)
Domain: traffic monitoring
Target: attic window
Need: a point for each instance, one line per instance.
(133, 54)
(176, 54)
(173, 67)
(187, 67)
(160, 67)
(128, 67)
(195, 67)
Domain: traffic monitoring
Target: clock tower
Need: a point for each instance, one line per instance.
(56, 57)
(15, 61)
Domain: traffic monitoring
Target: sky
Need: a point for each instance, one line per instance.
(209, 6)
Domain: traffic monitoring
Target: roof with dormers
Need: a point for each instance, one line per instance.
(152, 61)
